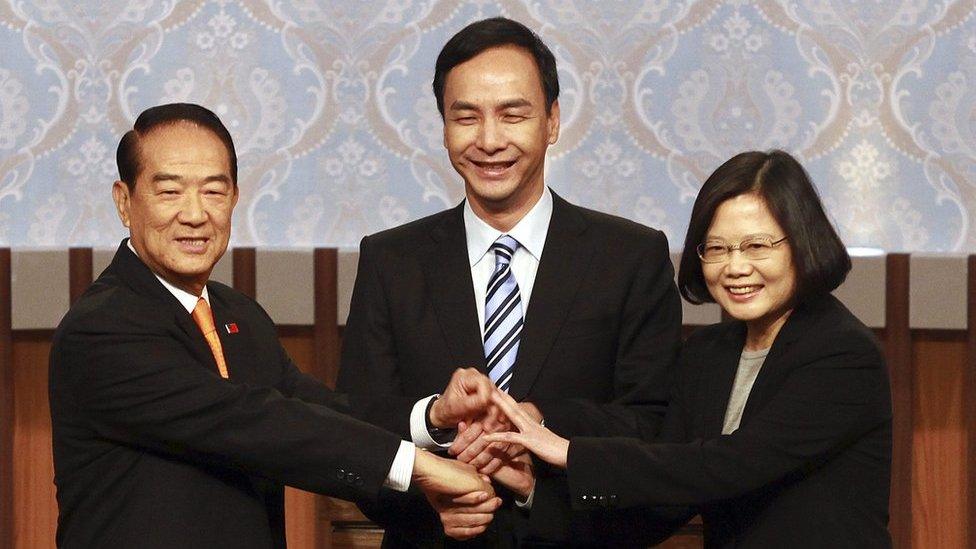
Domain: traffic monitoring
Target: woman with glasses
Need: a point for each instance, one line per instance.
(779, 427)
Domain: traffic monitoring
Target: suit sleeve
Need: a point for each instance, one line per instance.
(649, 340)
(826, 405)
(385, 411)
(134, 383)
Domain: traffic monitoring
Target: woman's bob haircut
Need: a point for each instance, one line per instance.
(819, 257)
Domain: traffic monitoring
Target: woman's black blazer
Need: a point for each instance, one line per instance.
(809, 465)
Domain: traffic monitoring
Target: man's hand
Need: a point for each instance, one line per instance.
(517, 474)
(470, 447)
(465, 516)
(464, 499)
(467, 396)
(436, 475)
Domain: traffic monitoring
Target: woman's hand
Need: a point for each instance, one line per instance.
(542, 442)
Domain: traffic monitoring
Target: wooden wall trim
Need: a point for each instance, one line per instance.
(245, 271)
(6, 406)
(326, 272)
(969, 398)
(325, 269)
(898, 353)
(79, 272)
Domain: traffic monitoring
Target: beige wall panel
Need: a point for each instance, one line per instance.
(348, 266)
(938, 292)
(285, 287)
(39, 287)
(101, 258)
(864, 290)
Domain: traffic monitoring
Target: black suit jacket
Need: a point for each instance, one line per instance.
(809, 465)
(152, 448)
(601, 331)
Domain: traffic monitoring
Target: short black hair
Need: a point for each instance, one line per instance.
(492, 33)
(819, 257)
(127, 155)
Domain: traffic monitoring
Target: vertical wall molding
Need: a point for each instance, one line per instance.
(325, 269)
(79, 272)
(326, 272)
(969, 399)
(6, 406)
(898, 353)
(245, 271)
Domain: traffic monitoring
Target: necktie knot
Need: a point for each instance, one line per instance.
(203, 316)
(504, 248)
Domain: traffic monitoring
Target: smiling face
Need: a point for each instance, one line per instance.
(179, 211)
(496, 131)
(760, 291)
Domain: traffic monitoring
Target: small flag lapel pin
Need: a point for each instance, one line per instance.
(231, 328)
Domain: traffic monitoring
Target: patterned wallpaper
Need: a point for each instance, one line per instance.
(338, 133)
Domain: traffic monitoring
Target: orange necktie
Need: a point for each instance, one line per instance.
(203, 316)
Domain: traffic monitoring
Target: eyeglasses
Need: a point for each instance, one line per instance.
(754, 247)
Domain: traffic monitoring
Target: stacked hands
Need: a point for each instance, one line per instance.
(494, 437)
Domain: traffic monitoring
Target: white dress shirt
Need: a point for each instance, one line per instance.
(402, 468)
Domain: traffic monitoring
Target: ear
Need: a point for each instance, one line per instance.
(237, 195)
(552, 122)
(120, 194)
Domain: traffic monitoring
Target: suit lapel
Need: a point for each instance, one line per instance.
(449, 274)
(137, 276)
(236, 351)
(777, 363)
(565, 259)
(720, 375)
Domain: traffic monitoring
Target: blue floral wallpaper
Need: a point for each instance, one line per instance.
(338, 134)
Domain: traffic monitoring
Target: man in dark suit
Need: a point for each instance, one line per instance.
(571, 311)
(177, 416)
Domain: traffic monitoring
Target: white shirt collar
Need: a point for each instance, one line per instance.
(186, 299)
(530, 231)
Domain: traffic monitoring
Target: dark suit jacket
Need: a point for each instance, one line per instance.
(602, 329)
(809, 465)
(152, 448)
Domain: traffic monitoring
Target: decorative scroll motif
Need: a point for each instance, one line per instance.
(338, 135)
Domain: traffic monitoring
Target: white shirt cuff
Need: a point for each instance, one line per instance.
(527, 504)
(418, 426)
(402, 468)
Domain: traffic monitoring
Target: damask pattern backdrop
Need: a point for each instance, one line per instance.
(338, 134)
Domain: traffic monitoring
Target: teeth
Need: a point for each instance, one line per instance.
(742, 290)
(494, 166)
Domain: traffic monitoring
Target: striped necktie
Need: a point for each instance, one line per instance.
(503, 315)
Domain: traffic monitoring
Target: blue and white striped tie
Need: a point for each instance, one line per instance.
(503, 315)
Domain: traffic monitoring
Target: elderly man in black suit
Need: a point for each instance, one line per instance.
(571, 311)
(177, 416)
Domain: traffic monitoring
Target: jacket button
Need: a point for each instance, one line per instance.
(340, 474)
(359, 481)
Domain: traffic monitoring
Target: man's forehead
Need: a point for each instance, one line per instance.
(504, 75)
